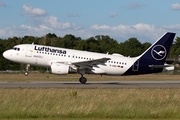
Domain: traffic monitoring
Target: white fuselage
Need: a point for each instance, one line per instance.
(44, 56)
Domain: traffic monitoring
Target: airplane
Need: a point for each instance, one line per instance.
(63, 61)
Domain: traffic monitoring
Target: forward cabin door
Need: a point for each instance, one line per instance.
(29, 51)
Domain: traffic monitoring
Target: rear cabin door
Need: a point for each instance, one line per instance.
(136, 66)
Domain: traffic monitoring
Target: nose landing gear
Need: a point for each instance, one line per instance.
(26, 72)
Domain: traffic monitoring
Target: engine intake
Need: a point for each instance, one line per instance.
(59, 69)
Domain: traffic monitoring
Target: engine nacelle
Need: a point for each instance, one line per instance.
(59, 69)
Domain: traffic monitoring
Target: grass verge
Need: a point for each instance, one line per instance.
(83, 119)
(90, 103)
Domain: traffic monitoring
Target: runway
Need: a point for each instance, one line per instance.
(92, 84)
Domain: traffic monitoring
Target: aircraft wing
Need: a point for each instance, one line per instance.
(90, 63)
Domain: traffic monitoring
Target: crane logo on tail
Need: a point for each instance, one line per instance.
(158, 52)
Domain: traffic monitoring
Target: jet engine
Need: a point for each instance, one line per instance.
(59, 69)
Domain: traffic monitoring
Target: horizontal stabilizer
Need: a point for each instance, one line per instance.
(160, 66)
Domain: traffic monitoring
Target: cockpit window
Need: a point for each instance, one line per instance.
(15, 48)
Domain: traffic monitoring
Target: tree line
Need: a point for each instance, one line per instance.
(100, 43)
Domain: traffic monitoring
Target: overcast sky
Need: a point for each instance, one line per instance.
(146, 20)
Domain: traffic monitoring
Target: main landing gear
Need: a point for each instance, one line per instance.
(82, 79)
(26, 72)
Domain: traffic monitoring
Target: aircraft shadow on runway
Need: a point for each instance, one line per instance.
(110, 83)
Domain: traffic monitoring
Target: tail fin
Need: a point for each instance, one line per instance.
(157, 53)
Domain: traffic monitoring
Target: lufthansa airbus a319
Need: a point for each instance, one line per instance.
(63, 61)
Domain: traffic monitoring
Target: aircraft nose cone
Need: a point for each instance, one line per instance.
(10, 55)
(5, 55)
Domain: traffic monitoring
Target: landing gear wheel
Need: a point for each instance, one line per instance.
(82, 80)
(26, 73)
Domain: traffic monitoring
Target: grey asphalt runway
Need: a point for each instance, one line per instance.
(92, 84)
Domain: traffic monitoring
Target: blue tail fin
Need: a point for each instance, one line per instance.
(158, 52)
(153, 59)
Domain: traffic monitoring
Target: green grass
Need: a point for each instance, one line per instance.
(90, 103)
(84, 119)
